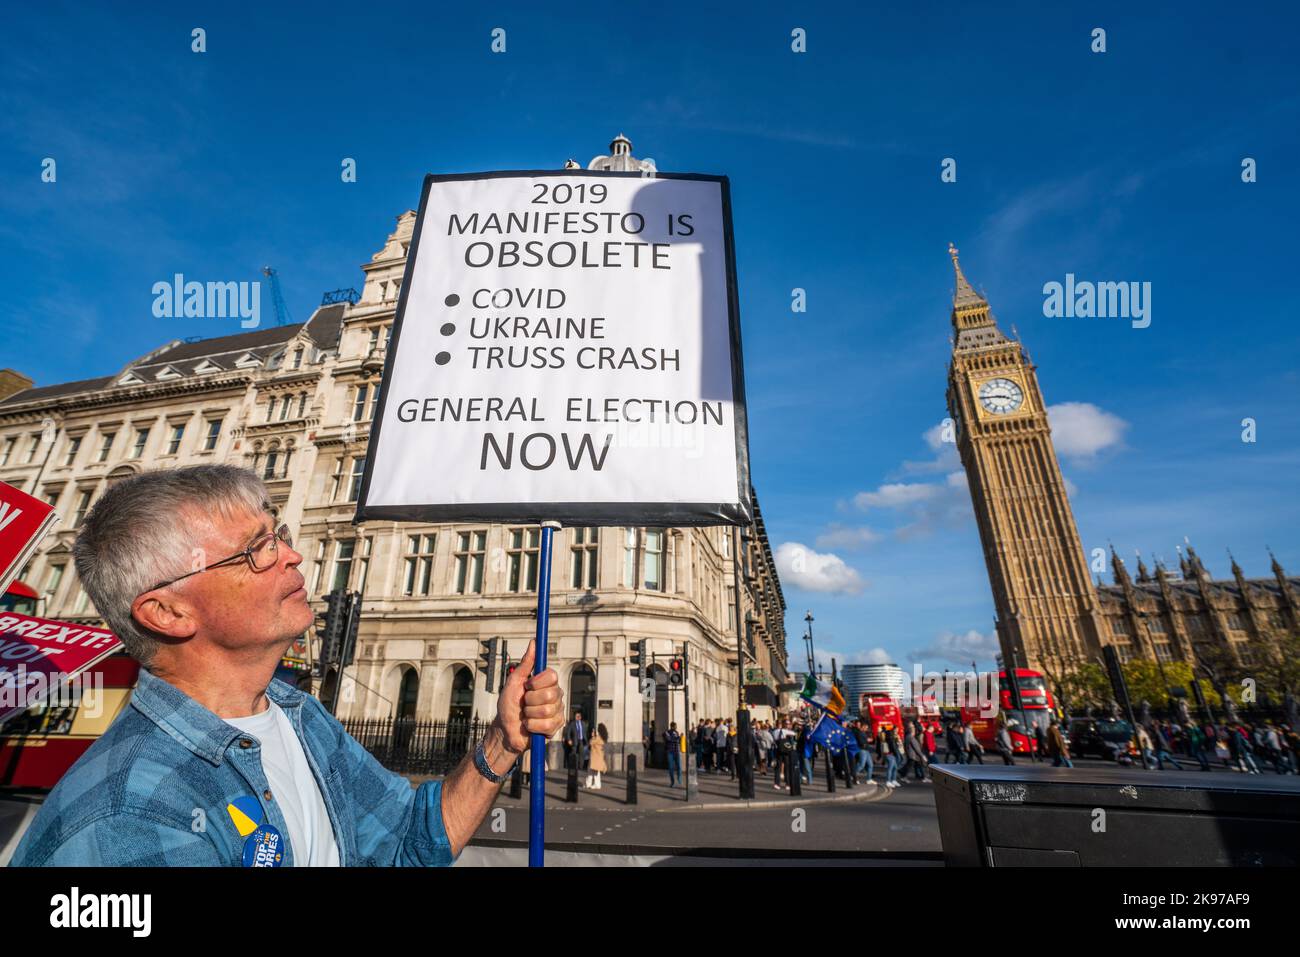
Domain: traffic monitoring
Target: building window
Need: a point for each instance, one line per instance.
(141, 437)
(1163, 651)
(354, 481)
(336, 479)
(9, 448)
(83, 506)
(1235, 622)
(52, 494)
(1119, 626)
(214, 433)
(270, 408)
(1157, 625)
(585, 554)
(343, 563)
(302, 405)
(470, 547)
(1244, 652)
(53, 579)
(364, 573)
(419, 564)
(1196, 624)
(174, 443)
(524, 545)
(297, 358)
(74, 445)
(1124, 652)
(285, 404)
(82, 602)
(31, 449)
(654, 559)
(106, 446)
(629, 557)
(359, 407)
(318, 565)
(1275, 620)
(268, 471)
(374, 339)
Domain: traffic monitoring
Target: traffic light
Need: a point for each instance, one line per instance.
(330, 628)
(487, 661)
(349, 650)
(637, 654)
(676, 672)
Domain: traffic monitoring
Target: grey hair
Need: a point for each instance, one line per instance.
(143, 531)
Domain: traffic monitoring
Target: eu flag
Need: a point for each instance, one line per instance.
(832, 736)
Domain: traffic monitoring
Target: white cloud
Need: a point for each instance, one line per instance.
(959, 649)
(940, 437)
(896, 495)
(1080, 430)
(804, 568)
(870, 656)
(929, 505)
(847, 537)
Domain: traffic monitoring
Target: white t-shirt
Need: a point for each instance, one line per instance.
(292, 784)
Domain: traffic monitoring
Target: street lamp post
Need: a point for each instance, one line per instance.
(808, 643)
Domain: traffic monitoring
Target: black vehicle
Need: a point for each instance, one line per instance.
(1107, 738)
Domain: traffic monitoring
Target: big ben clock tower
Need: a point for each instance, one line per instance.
(1047, 611)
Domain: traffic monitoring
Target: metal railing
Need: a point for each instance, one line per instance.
(411, 746)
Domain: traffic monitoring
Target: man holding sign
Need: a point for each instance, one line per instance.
(566, 351)
(215, 763)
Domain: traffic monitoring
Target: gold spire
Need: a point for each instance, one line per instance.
(965, 294)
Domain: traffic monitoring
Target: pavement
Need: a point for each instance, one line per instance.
(867, 824)
(716, 792)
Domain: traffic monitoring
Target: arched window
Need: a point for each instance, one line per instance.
(462, 696)
(409, 694)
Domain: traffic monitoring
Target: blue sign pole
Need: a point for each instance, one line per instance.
(537, 757)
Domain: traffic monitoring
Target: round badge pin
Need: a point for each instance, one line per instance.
(264, 847)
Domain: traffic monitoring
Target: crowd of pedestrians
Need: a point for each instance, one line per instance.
(904, 754)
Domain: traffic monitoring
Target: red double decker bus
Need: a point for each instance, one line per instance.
(1036, 713)
(881, 710)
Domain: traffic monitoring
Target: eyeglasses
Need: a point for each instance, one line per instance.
(261, 555)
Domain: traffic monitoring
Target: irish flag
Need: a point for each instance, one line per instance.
(825, 696)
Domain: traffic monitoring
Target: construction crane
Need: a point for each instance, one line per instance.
(282, 317)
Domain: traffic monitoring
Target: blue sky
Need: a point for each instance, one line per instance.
(1123, 165)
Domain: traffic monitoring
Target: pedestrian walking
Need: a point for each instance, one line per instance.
(1160, 739)
(672, 745)
(1005, 747)
(914, 752)
(863, 761)
(953, 745)
(575, 741)
(805, 762)
(596, 767)
(1057, 746)
(931, 746)
(889, 748)
(974, 750)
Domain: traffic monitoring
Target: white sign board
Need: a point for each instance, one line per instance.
(567, 347)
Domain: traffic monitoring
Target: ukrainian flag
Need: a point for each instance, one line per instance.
(246, 813)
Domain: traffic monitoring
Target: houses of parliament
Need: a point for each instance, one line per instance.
(1050, 613)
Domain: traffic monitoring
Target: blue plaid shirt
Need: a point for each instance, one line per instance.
(155, 788)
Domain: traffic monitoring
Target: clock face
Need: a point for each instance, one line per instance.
(1001, 396)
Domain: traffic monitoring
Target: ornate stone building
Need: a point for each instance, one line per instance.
(295, 403)
(1232, 625)
(1050, 613)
